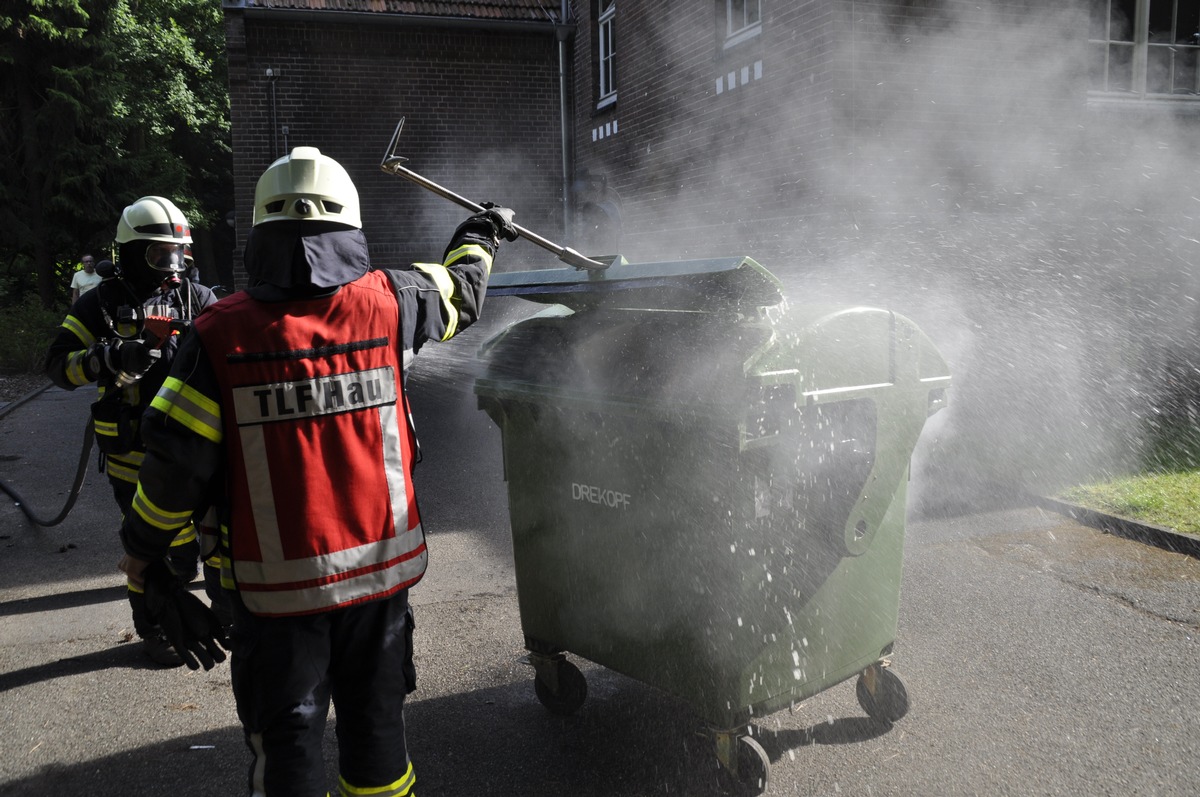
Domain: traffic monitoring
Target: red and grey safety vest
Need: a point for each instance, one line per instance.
(319, 448)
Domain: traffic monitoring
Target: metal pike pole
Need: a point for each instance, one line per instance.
(392, 164)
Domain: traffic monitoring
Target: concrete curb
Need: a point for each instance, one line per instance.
(5, 409)
(1124, 527)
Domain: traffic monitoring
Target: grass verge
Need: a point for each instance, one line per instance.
(1166, 493)
(1170, 500)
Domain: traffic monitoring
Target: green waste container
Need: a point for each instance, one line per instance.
(707, 486)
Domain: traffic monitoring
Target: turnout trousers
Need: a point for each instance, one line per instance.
(286, 670)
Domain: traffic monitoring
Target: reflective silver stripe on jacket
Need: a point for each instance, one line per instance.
(315, 598)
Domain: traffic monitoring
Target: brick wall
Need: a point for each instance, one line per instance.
(710, 147)
(482, 115)
(815, 121)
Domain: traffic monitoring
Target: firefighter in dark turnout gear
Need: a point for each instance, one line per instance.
(290, 395)
(123, 336)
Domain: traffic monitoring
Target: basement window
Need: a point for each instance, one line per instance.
(1144, 49)
(607, 53)
(743, 21)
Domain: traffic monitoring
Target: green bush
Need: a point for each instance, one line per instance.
(26, 330)
(1174, 446)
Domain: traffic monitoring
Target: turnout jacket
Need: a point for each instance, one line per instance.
(96, 316)
(291, 409)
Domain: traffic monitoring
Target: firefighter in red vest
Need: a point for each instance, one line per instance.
(291, 395)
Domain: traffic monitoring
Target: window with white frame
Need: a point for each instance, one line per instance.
(607, 52)
(1145, 48)
(743, 20)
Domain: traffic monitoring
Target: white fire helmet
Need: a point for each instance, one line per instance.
(153, 218)
(306, 186)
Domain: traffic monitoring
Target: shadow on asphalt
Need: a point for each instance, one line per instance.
(121, 656)
(628, 738)
(847, 730)
(64, 600)
(631, 740)
(212, 764)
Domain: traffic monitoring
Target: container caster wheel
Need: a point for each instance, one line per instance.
(745, 765)
(881, 694)
(559, 685)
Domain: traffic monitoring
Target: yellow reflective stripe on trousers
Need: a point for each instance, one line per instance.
(401, 788)
(184, 537)
(124, 466)
(191, 408)
(77, 328)
(106, 428)
(258, 771)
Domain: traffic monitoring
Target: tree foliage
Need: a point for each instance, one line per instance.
(105, 101)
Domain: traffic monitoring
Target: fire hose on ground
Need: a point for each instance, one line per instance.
(80, 472)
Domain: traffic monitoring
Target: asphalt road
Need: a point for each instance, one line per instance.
(1042, 657)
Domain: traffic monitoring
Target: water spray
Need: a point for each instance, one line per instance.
(393, 164)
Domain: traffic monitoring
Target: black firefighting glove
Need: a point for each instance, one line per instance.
(128, 360)
(501, 220)
(192, 628)
(486, 227)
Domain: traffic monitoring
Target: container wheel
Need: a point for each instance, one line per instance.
(567, 692)
(745, 766)
(881, 693)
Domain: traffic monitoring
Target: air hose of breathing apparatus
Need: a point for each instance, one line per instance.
(158, 327)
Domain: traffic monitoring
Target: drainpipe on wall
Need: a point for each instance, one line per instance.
(563, 32)
(271, 76)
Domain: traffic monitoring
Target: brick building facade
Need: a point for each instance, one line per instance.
(705, 135)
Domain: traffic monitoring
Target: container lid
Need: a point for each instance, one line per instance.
(715, 284)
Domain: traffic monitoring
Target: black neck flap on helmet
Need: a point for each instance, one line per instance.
(301, 254)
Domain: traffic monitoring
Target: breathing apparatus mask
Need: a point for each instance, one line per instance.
(168, 260)
(146, 268)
